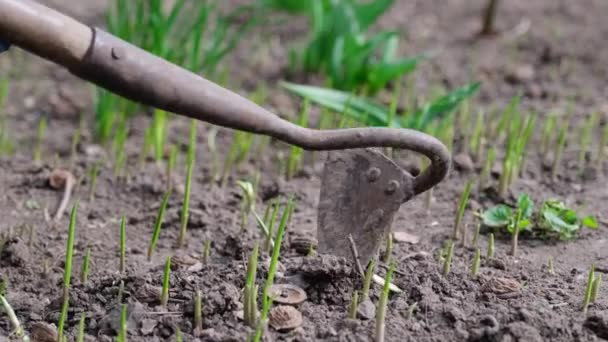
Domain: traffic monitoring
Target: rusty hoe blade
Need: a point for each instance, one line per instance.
(361, 188)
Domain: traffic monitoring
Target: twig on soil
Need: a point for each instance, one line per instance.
(353, 249)
(62, 179)
(18, 329)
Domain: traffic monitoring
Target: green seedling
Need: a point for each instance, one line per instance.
(164, 297)
(122, 334)
(198, 311)
(266, 299)
(84, 275)
(447, 262)
(370, 113)
(67, 275)
(238, 153)
(122, 264)
(159, 133)
(477, 138)
(146, 147)
(354, 304)
(490, 254)
(601, 150)
(6, 144)
(595, 287)
(215, 159)
(552, 220)
(367, 280)
(411, 311)
(190, 168)
(248, 203)
(206, 251)
(559, 149)
(382, 305)
(40, 139)
(294, 161)
(585, 140)
(171, 163)
(250, 311)
(476, 263)
(489, 16)
(178, 334)
(515, 224)
(81, 326)
(120, 156)
(550, 266)
(588, 289)
(17, 328)
(484, 176)
(270, 221)
(464, 198)
(158, 224)
(93, 175)
(121, 291)
(547, 133)
(476, 235)
(389, 248)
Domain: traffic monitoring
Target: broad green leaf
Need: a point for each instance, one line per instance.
(382, 73)
(368, 12)
(590, 222)
(498, 216)
(526, 205)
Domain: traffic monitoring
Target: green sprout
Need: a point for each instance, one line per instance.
(171, 163)
(206, 251)
(476, 263)
(589, 288)
(157, 225)
(559, 149)
(84, 275)
(270, 224)
(248, 202)
(595, 287)
(490, 254)
(93, 174)
(477, 138)
(250, 311)
(178, 334)
(238, 153)
(487, 169)
(389, 248)
(547, 133)
(6, 144)
(198, 311)
(123, 245)
(367, 280)
(120, 156)
(294, 161)
(122, 333)
(266, 299)
(81, 326)
(164, 297)
(67, 275)
(476, 235)
(464, 198)
(159, 133)
(42, 124)
(17, 328)
(550, 266)
(186, 204)
(585, 140)
(447, 262)
(75, 141)
(354, 304)
(411, 311)
(382, 305)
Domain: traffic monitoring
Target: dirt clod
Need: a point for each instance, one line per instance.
(43, 332)
(284, 317)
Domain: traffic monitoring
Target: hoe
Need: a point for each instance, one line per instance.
(361, 189)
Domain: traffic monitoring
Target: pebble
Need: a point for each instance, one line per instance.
(464, 162)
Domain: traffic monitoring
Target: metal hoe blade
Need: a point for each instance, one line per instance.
(361, 190)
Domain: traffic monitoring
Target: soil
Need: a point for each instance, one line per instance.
(557, 63)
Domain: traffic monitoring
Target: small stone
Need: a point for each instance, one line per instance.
(463, 162)
(147, 326)
(598, 323)
(503, 288)
(43, 332)
(366, 309)
(283, 317)
(287, 294)
(403, 237)
(521, 74)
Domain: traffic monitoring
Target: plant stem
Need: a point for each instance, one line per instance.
(490, 254)
(158, 225)
(198, 311)
(123, 245)
(589, 288)
(122, 335)
(250, 301)
(515, 236)
(354, 304)
(190, 166)
(81, 326)
(447, 263)
(389, 248)
(84, 275)
(367, 280)
(206, 251)
(67, 275)
(476, 235)
(595, 287)
(18, 329)
(476, 263)
(461, 208)
(559, 149)
(42, 124)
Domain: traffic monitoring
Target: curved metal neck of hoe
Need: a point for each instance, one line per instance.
(129, 71)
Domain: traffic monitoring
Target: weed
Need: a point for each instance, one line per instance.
(464, 198)
(559, 149)
(158, 224)
(123, 245)
(164, 297)
(490, 254)
(367, 280)
(84, 275)
(40, 139)
(476, 263)
(371, 113)
(589, 288)
(122, 333)
(93, 174)
(67, 275)
(447, 262)
(248, 202)
(190, 167)
(354, 304)
(251, 290)
(206, 251)
(382, 305)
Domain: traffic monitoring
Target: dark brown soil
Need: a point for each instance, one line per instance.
(564, 48)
